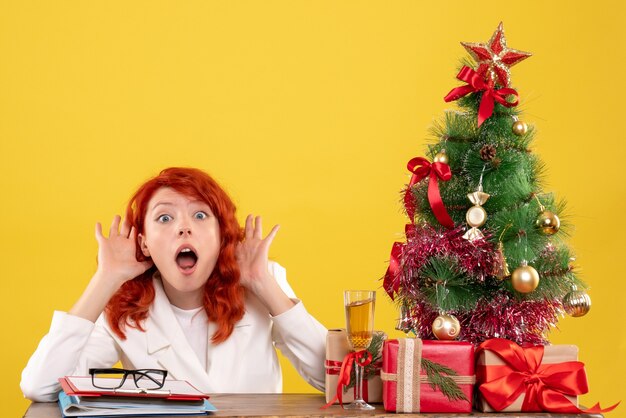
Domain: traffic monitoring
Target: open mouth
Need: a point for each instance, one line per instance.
(186, 259)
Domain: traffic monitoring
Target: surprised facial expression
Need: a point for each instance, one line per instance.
(182, 236)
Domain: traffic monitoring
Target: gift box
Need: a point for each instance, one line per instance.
(427, 376)
(337, 348)
(531, 379)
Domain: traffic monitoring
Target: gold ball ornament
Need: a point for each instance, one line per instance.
(446, 327)
(548, 223)
(525, 278)
(520, 128)
(441, 157)
(577, 303)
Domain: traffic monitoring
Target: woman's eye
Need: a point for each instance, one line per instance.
(200, 215)
(164, 218)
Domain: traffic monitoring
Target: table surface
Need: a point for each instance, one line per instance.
(295, 405)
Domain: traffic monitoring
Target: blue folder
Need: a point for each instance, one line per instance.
(78, 406)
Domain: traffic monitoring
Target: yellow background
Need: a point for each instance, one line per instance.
(307, 112)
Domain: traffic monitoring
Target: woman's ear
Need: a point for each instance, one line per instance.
(142, 244)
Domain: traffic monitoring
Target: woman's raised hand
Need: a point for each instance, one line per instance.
(253, 251)
(252, 258)
(116, 254)
(116, 264)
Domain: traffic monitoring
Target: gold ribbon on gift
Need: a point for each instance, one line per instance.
(408, 375)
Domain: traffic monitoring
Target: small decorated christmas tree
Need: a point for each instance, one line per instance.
(484, 255)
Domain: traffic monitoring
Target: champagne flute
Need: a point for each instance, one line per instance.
(359, 305)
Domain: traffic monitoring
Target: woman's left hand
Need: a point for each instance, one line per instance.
(252, 258)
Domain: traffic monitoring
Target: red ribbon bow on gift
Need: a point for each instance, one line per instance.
(544, 385)
(334, 368)
(421, 167)
(363, 358)
(476, 82)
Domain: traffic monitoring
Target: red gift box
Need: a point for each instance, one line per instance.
(492, 364)
(406, 387)
(531, 379)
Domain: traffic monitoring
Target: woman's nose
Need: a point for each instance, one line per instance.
(185, 230)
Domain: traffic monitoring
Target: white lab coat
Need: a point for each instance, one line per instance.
(245, 362)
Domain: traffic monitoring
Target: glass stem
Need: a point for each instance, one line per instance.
(358, 396)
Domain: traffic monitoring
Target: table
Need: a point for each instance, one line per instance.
(296, 405)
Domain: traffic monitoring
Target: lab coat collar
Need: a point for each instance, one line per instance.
(167, 342)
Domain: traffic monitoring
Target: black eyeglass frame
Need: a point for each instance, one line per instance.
(137, 375)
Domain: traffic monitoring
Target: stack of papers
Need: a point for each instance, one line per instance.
(80, 398)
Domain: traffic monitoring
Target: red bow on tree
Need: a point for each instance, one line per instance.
(476, 82)
(391, 282)
(421, 168)
(545, 386)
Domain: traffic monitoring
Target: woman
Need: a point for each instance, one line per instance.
(179, 287)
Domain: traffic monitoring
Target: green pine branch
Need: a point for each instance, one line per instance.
(446, 286)
(454, 127)
(438, 377)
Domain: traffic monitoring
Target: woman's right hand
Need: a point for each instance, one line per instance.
(116, 254)
(116, 265)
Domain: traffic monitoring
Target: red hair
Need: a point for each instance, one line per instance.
(223, 293)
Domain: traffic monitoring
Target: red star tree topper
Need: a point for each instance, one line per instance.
(494, 58)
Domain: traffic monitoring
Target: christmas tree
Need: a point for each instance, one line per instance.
(485, 253)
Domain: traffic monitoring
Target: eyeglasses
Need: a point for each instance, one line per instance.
(114, 378)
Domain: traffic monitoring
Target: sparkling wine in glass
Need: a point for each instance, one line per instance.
(359, 305)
